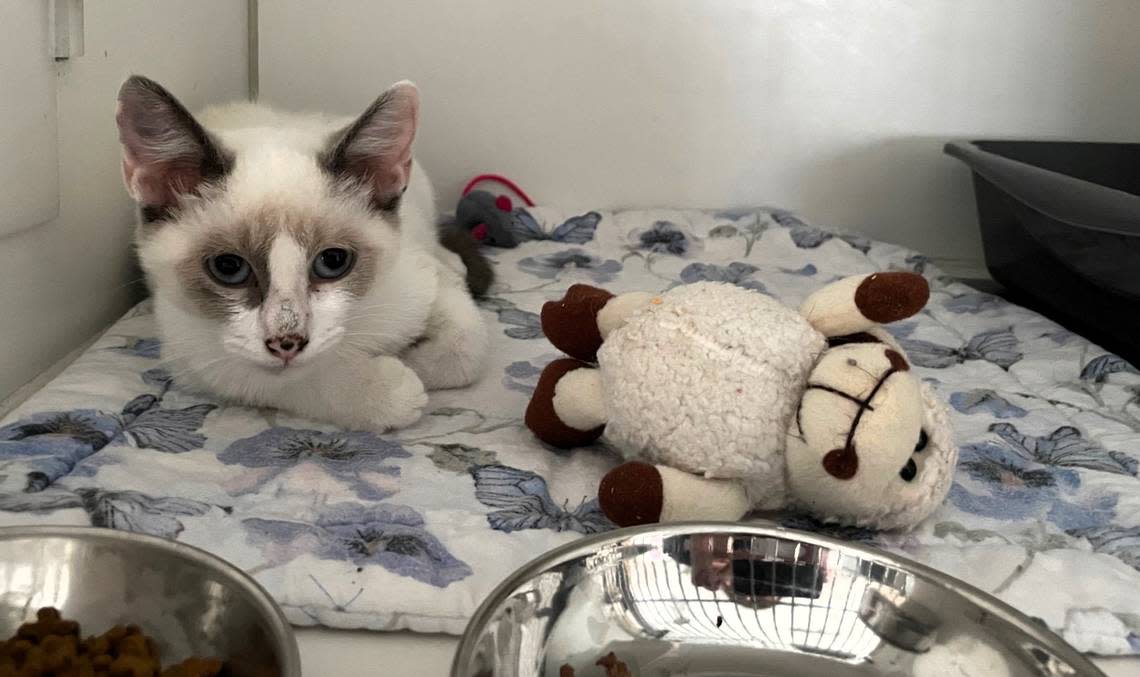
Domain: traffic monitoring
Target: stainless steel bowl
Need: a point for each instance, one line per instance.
(727, 599)
(189, 601)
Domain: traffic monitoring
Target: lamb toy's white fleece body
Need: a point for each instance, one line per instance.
(706, 381)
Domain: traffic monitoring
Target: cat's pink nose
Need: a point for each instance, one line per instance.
(286, 347)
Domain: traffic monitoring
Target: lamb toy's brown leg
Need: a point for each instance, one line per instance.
(639, 493)
(567, 408)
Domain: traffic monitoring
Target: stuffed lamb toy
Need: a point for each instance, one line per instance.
(725, 401)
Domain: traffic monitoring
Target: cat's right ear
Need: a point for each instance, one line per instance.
(376, 150)
(166, 153)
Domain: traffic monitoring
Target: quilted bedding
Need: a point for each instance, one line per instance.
(412, 529)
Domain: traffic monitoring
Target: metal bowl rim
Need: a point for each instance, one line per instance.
(282, 631)
(589, 544)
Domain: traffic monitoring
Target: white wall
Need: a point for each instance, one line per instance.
(837, 108)
(67, 279)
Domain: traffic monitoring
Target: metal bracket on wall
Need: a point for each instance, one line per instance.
(252, 73)
(66, 21)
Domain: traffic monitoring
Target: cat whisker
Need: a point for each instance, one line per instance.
(200, 368)
(128, 283)
(185, 373)
(391, 316)
(372, 334)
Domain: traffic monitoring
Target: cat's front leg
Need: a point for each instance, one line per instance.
(452, 351)
(374, 393)
(399, 392)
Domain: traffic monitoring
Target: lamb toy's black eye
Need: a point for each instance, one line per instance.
(909, 471)
(922, 441)
(332, 264)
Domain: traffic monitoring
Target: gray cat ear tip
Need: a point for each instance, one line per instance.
(131, 83)
(405, 86)
(136, 84)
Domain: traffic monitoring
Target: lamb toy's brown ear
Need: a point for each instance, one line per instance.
(858, 303)
(571, 323)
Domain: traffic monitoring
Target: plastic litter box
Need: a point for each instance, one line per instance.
(1060, 226)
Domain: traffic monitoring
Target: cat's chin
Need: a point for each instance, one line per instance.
(279, 368)
(293, 367)
(254, 364)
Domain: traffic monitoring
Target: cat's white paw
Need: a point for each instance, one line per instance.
(443, 365)
(452, 354)
(403, 398)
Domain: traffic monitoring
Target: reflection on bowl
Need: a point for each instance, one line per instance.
(190, 602)
(728, 599)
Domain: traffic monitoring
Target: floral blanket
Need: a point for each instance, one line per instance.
(412, 529)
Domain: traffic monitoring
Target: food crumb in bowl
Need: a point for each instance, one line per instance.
(614, 667)
(50, 647)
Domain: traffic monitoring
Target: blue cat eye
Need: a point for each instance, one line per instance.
(229, 269)
(333, 263)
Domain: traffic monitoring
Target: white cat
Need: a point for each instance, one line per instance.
(294, 260)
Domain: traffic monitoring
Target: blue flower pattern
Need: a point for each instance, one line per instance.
(344, 455)
(1000, 347)
(522, 501)
(146, 347)
(808, 237)
(52, 444)
(522, 375)
(1122, 542)
(1099, 369)
(575, 230)
(985, 400)
(1003, 484)
(664, 237)
(974, 303)
(808, 270)
(388, 535)
(1065, 447)
(917, 262)
(737, 273)
(124, 510)
(520, 324)
(553, 266)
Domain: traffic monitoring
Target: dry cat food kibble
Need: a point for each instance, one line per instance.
(51, 647)
(613, 667)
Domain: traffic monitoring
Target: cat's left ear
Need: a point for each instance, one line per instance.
(166, 153)
(377, 148)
